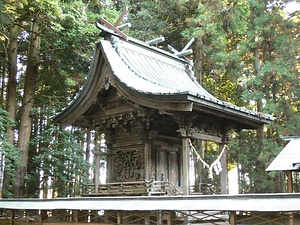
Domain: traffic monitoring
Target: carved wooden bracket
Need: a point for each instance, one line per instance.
(182, 132)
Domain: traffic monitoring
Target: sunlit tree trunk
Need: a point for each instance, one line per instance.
(26, 110)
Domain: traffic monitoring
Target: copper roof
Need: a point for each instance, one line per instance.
(154, 78)
(148, 71)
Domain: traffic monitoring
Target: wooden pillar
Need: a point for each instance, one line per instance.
(282, 182)
(232, 218)
(290, 182)
(199, 167)
(43, 216)
(147, 155)
(290, 190)
(97, 171)
(96, 153)
(185, 166)
(224, 172)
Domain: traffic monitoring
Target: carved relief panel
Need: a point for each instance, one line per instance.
(128, 165)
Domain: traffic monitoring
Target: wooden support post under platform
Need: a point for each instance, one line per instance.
(232, 218)
(12, 217)
(119, 217)
(159, 217)
(44, 216)
(170, 217)
(147, 220)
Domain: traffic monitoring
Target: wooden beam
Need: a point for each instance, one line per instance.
(290, 182)
(112, 27)
(206, 137)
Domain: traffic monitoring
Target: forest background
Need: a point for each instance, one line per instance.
(245, 52)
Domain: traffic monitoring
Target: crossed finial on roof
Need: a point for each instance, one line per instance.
(185, 51)
(116, 27)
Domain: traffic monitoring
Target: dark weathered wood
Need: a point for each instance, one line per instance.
(186, 166)
(206, 137)
(290, 182)
(134, 188)
(112, 27)
(147, 160)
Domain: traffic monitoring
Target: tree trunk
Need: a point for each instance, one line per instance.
(27, 105)
(11, 98)
(199, 59)
(12, 83)
(258, 101)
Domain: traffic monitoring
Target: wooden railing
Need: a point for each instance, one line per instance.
(134, 188)
(120, 188)
(138, 188)
(163, 188)
(203, 189)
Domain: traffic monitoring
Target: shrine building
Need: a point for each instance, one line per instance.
(149, 105)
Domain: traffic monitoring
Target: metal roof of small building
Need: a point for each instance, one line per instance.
(288, 159)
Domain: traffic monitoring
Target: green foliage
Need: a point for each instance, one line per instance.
(148, 19)
(67, 34)
(253, 157)
(61, 160)
(231, 32)
(8, 151)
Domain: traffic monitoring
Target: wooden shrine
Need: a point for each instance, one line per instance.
(148, 104)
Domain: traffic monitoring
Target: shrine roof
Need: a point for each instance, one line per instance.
(288, 159)
(153, 78)
(148, 70)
